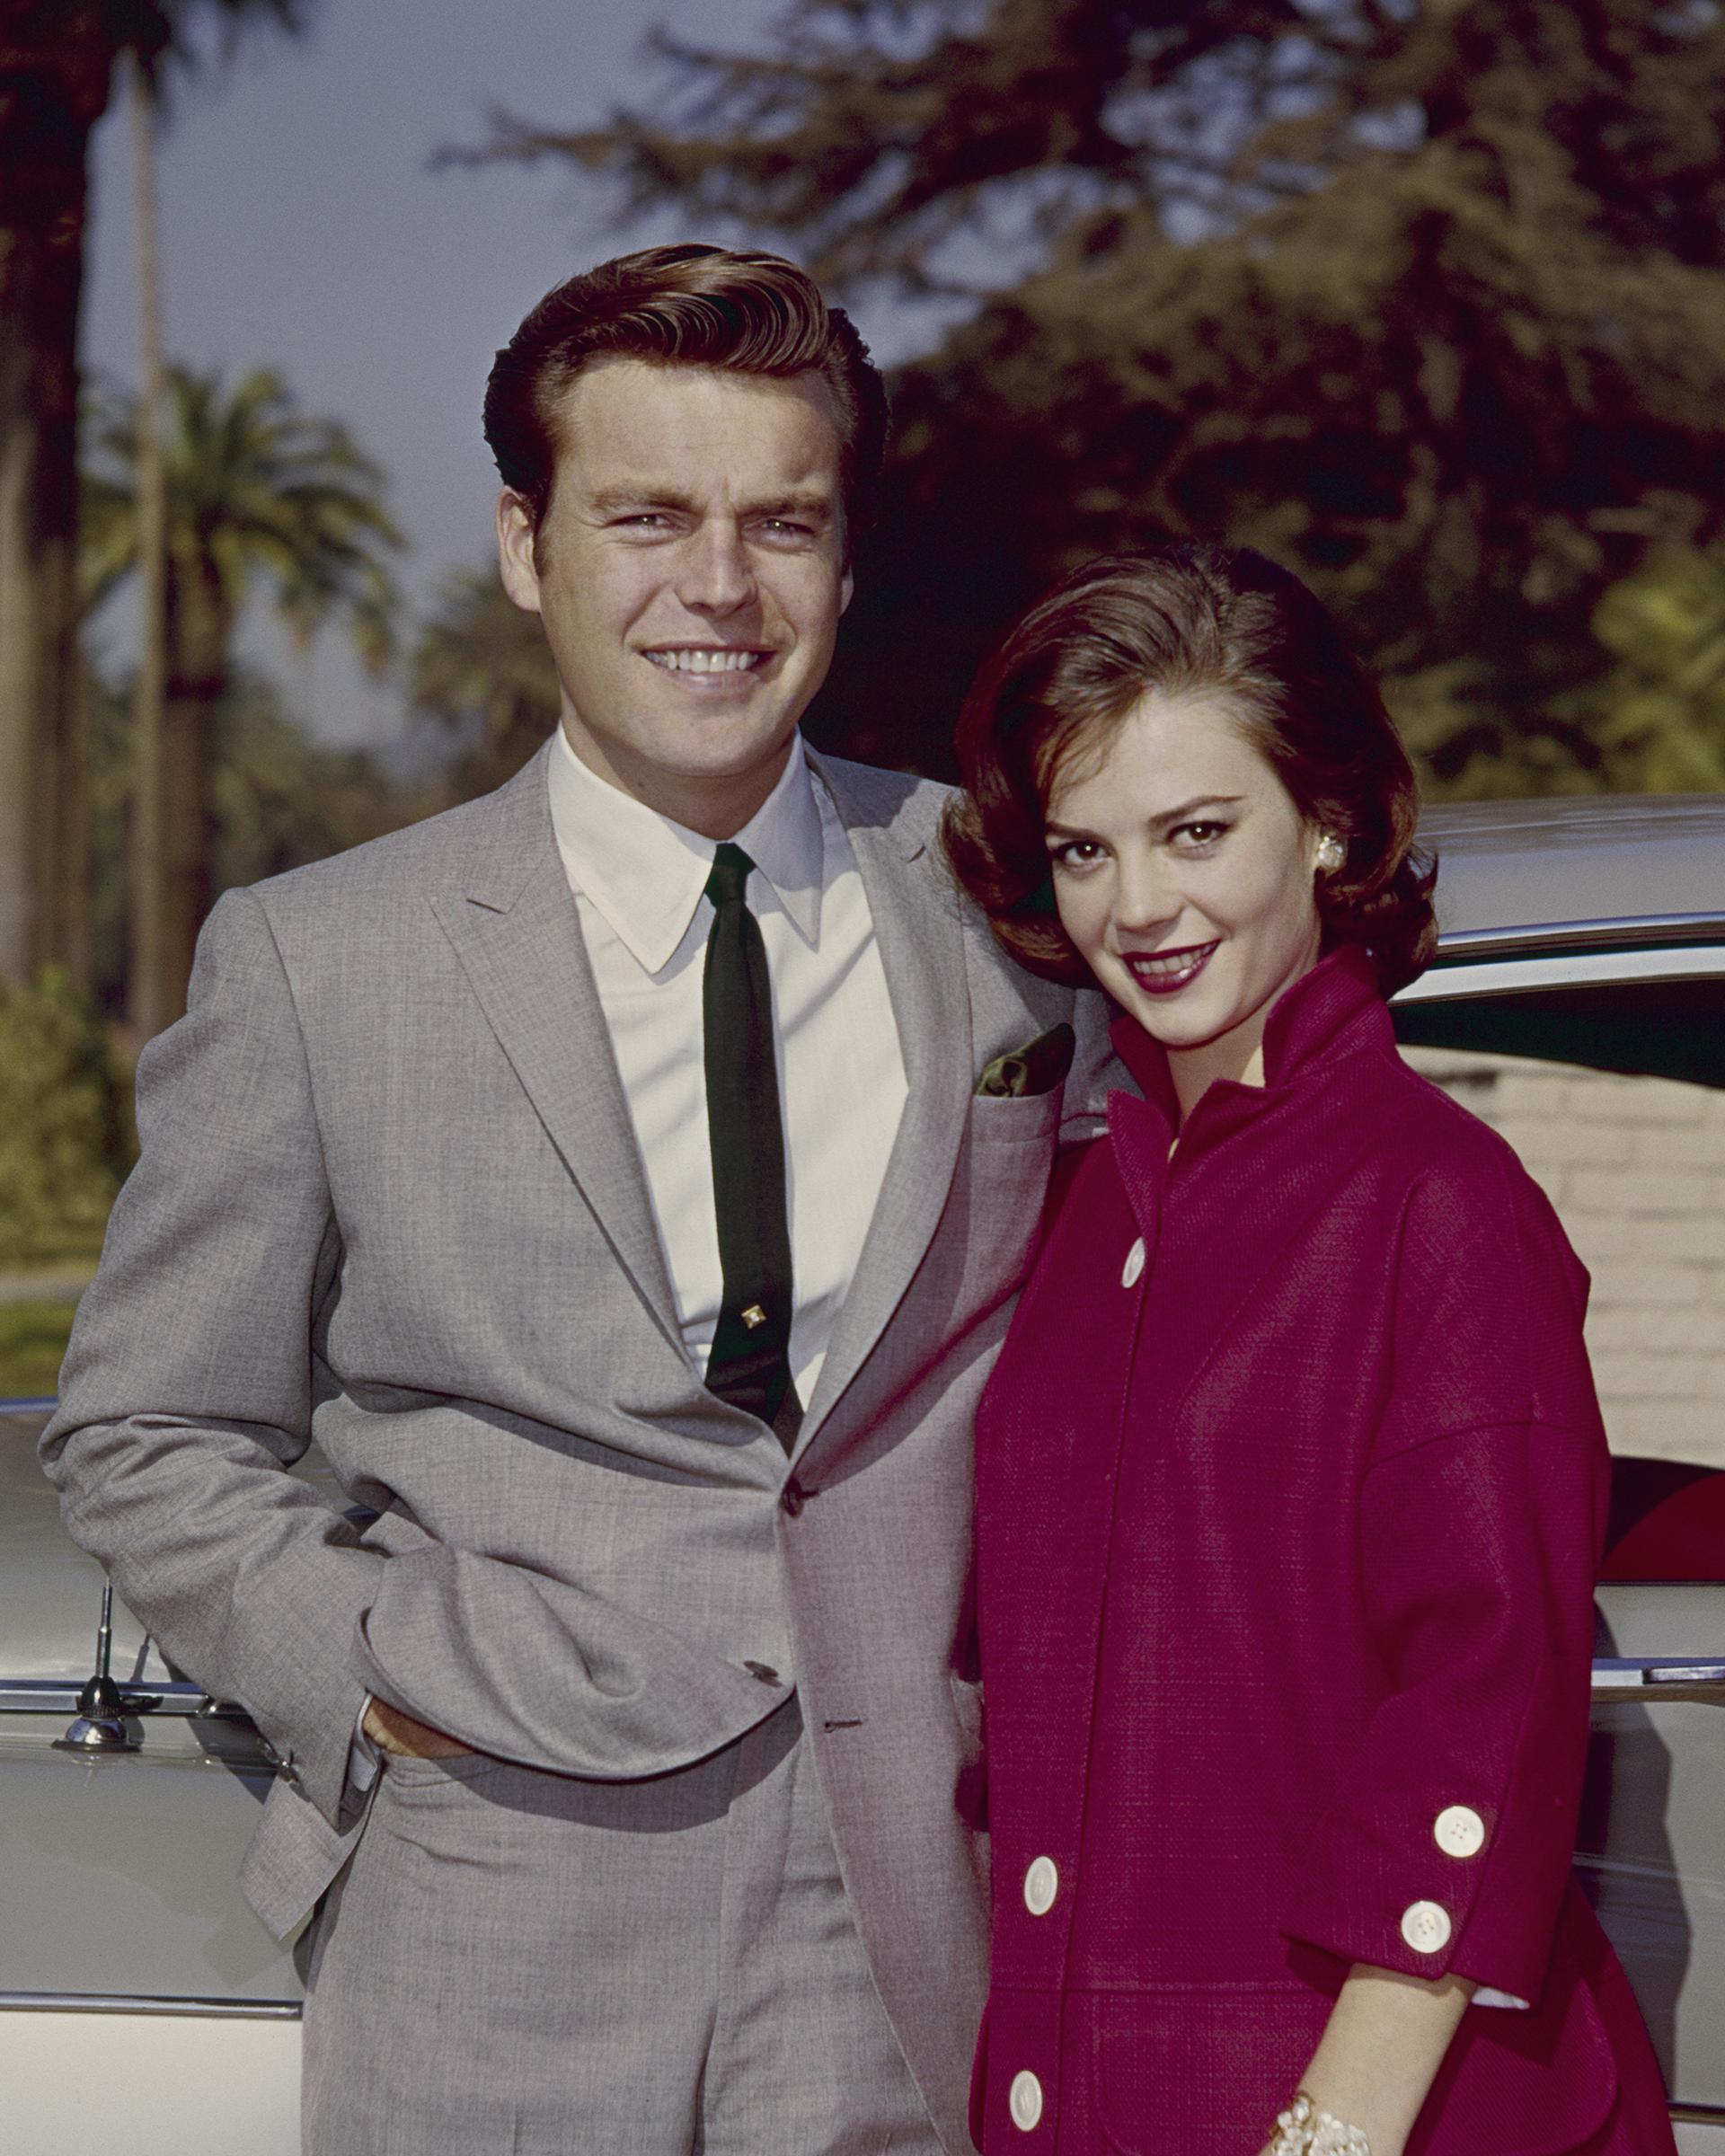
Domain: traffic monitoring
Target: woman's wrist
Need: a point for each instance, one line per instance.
(1304, 2128)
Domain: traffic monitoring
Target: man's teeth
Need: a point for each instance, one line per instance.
(697, 659)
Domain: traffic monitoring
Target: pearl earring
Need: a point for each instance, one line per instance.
(1331, 852)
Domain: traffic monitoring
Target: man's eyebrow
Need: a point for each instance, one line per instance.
(813, 507)
(1052, 827)
(648, 496)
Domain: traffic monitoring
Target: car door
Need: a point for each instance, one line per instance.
(1605, 1067)
(143, 2007)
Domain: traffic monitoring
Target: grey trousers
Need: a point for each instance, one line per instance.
(518, 1963)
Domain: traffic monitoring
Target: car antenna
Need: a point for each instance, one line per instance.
(101, 1723)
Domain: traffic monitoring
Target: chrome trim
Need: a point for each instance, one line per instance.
(33, 1406)
(60, 1696)
(1638, 929)
(1645, 1678)
(103, 2003)
(1573, 969)
(1698, 2115)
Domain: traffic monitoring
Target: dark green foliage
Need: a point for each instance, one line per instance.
(65, 1137)
(1425, 299)
(32, 1341)
(482, 671)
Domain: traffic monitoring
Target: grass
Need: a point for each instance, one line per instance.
(32, 1339)
(53, 1248)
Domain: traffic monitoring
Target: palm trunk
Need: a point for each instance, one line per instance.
(159, 966)
(51, 94)
(199, 624)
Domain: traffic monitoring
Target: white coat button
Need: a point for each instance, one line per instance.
(1426, 1927)
(1134, 1264)
(1024, 2101)
(1041, 1884)
(1459, 1831)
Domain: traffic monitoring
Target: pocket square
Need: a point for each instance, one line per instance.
(1036, 1068)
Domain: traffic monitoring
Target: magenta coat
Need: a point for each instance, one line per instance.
(1291, 1484)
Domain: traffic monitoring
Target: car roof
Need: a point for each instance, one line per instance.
(1581, 857)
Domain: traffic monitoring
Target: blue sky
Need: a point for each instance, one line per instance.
(301, 229)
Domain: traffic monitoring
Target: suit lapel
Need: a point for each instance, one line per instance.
(512, 921)
(921, 934)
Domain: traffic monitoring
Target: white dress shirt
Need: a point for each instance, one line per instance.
(639, 884)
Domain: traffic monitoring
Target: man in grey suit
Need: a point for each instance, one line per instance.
(598, 1173)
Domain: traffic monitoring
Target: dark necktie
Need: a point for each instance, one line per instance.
(750, 1363)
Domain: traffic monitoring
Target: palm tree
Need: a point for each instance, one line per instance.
(150, 515)
(483, 668)
(254, 490)
(58, 60)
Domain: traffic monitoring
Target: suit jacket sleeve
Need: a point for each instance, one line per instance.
(1480, 1522)
(188, 1387)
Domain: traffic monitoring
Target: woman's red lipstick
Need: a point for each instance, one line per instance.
(1167, 972)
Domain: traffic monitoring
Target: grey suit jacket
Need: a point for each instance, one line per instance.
(389, 1197)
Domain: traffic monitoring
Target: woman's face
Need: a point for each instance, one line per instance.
(1183, 874)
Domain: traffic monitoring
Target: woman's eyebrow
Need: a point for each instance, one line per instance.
(1203, 800)
(1053, 827)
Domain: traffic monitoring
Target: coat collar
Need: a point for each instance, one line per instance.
(1332, 1011)
(510, 916)
(1328, 1016)
(919, 927)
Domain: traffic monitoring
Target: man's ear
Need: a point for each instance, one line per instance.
(846, 586)
(515, 549)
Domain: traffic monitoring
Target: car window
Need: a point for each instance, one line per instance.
(1613, 1095)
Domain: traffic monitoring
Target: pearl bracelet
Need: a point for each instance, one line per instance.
(1303, 2130)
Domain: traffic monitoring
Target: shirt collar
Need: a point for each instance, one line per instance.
(644, 874)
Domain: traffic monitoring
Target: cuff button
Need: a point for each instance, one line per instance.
(1426, 1927)
(1459, 1831)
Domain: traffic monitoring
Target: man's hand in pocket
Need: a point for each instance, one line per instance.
(391, 1730)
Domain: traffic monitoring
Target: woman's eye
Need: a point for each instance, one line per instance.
(1195, 836)
(1075, 852)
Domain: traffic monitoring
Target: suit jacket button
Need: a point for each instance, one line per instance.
(792, 1496)
(1024, 2101)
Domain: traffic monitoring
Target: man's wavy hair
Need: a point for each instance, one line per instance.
(688, 306)
(1189, 620)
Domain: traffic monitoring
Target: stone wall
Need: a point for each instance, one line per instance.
(1636, 1169)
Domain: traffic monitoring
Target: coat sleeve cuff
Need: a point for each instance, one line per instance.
(1411, 1886)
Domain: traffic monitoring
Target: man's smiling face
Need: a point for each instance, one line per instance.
(690, 574)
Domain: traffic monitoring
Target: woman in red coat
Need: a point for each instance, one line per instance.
(1291, 1479)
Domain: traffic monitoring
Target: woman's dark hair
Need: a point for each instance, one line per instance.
(688, 306)
(1180, 621)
